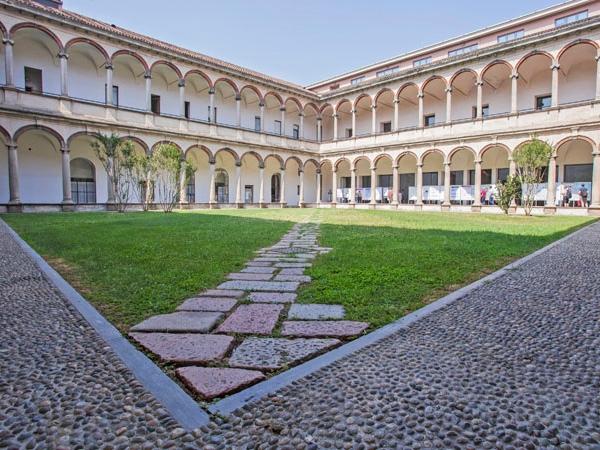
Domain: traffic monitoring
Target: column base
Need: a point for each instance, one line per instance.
(594, 210)
(475, 208)
(239, 205)
(333, 205)
(184, 205)
(445, 207)
(372, 205)
(67, 206)
(14, 208)
(213, 205)
(352, 205)
(418, 206)
(512, 209)
(302, 204)
(111, 207)
(262, 205)
(550, 210)
(283, 204)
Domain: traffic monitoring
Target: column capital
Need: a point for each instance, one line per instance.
(353, 111)
(596, 153)
(396, 101)
(555, 66)
(448, 90)
(420, 95)
(181, 82)
(211, 91)
(300, 114)
(319, 119)
(477, 162)
(212, 162)
(8, 41)
(420, 165)
(148, 75)
(238, 97)
(319, 171)
(479, 83)
(373, 106)
(300, 170)
(282, 108)
(64, 148)
(238, 164)
(395, 166)
(12, 146)
(261, 165)
(514, 76)
(62, 54)
(353, 169)
(447, 164)
(261, 105)
(108, 65)
(282, 169)
(597, 58)
(335, 115)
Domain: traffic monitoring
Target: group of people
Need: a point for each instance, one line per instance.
(566, 194)
(487, 196)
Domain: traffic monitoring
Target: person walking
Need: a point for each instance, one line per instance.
(583, 195)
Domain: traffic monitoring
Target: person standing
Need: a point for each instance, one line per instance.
(583, 195)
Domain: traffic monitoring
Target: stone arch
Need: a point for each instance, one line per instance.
(381, 92)
(431, 79)
(296, 101)
(82, 40)
(461, 72)
(359, 98)
(202, 148)
(356, 160)
(312, 106)
(46, 129)
(340, 103)
(490, 146)
(495, 63)
(574, 43)
(37, 26)
(169, 64)
(276, 95)
(135, 55)
(5, 135)
(167, 142)
(229, 82)
(431, 151)
(313, 162)
(259, 158)
(199, 73)
(253, 89)
(231, 152)
(458, 149)
(324, 107)
(403, 154)
(531, 54)
(3, 30)
(406, 86)
(380, 157)
(339, 161)
(278, 158)
(296, 159)
(568, 139)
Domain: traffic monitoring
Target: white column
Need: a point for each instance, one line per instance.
(148, 78)
(419, 201)
(352, 186)
(301, 131)
(211, 183)
(182, 186)
(64, 74)
(421, 110)
(181, 85)
(261, 186)
(448, 105)
(238, 110)
(373, 119)
(335, 127)
(596, 180)
(13, 175)
(555, 68)
(446, 184)
(319, 129)
(8, 61)
(282, 109)
(238, 183)
(318, 186)
(334, 184)
(551, 192)
(597, 77)
(396, 114)
(479, 85)
(514, 106)
(301, 199)
(66, 175)
(262, 117)
(353, 112)
(109, 84)
(110, 199)
(395, 184)
(282, 190)
(477, 188)
(373, 185)
(512, 171)
(211, 103)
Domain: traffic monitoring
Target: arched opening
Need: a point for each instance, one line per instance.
(327, 182)
(363, 116)
(574, 173)
(495, 168)
(293, 166)
(87, 72)
(310, 121)
(4, 181)
(273, 165)
(221, 186)
(292, 118)
(462, 161)
(36, 61)
(535, 82)
(385, 111)
(497, 88)
(327, 123)
(363, 180)
(250, 108)
(407, 168)
(385, 179)
(197, 86)
(434, 101)
(408, 106)
(225, 111)
(273, 105)
(165, 90)
(225, 185)
(275, 188)
(577, 73)
(464, 96)
(81, 150)
(197, 190)
(344, 119)
(251, 163)
(310, 181)
(344, 181)
(433, 169)
(83, 181)
(129, 83)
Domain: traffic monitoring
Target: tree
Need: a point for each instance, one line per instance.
(531, 159)
(171, 172)
(507, 192)
(143, 178)
(115, 154)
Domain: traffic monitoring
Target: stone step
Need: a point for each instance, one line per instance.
(290, 265)
(185, 321)
(259, 269)
(292, 271)
(218, 304)
(259, 264)
(213, 382)
(222, 293)
(316, 312)
(252, 319)
(272, 297)
(298, 278)
(274, 353)
(272, 286)
(183, 348)
(335, 328)
(250, 276)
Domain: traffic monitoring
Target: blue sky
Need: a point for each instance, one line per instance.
(303, 41)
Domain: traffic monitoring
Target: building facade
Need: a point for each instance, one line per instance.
(433, 129)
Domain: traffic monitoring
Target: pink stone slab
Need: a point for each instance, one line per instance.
(212, 382)
(329, 328)
(221, 293)
(252, 319)
(221, 304)
(185, 348)
(180, 322)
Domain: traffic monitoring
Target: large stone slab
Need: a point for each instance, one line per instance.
(185, 348)
(316, 312)
(293, 271)
(252, 269)
(298, 278)
(335, 328)
(212, 382)
(291, 265)
(222, 293)
(250, 276)
(274, 353)
(272, 297)
(252, 319)
(259, 264)
(185, 321)
(218, 304)
(275, 286)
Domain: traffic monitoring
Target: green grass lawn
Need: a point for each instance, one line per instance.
(383, 264)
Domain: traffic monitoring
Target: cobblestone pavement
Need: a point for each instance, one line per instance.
(515, 364)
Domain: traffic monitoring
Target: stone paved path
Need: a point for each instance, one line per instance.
(251, 314)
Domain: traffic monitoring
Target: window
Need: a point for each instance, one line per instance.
(115, 95)
(503, 174)
(357, 80)
(345, 182)
(385, 181)
(386, 127)
(456, 177)
(386, 72)
(365, 181)
(277, 127)
(256, 123)
(186, 109)
(430, 179)
(83, 183)
(511, 36)
(462, 50)
(575, 173)
(215, 114)
(333, 87)
(571, 18)
(543, 101)
(33, 79)
(155, 103)
(208, 113)
(486, 176)
(348, 132)
(429, 120)
(190, 190)
(485, 111)
(422, 61)
(296, 132)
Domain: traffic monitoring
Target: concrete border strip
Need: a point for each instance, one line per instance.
(254, 393)
(183, 408)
